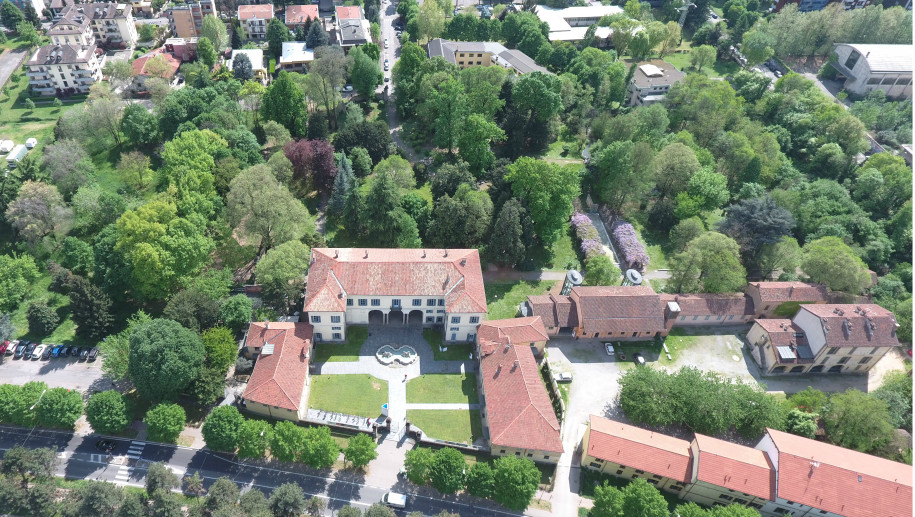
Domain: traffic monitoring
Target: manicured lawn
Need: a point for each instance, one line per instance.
(459, 352)
(657, 245)
(360, 395)
(503, 299)
(561, 255)
(677, 342)
(452, 426)
(65, 333)
(443, 388)
(19, 123)
(719, 68)
(342, 352)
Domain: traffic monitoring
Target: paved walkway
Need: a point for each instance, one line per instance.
(9, 62)
(397, 374)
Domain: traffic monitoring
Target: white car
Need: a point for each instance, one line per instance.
(36, 354)
(386, 43)
(395, 500)
(564, 377)
(609, 347)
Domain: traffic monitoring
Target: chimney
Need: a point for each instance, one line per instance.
(446, 253)
(424, 253)
(463, 262)
(336, 254)
(791, 291)
(515, 365)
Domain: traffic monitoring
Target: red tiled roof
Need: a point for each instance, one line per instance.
(555, 311)
(139, 64)
(619, 309)
(278, 378)
(638, 448)
(841, 481)
(704, 304)
(338, 273)
(250, 12)
(855, 325)
(298, 14)
(735, 467)
(513, 331)
(348, 12)
(778, 292)
(783, 333)
(519, 411)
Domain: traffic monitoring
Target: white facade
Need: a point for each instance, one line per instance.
(64, 68)
(876, 67)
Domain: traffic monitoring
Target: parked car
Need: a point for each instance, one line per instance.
(47, 352)
(84, 353)
(74, 351)
(386, 43)
(29, 348)
(609, 348)
(395, 500)
(564, 377)
(64, 351)
(38, 351)
(55, 352)
(714, 16)
(105, 445)
(20, 349)
(3, 347)
(348, 88)
(93, 354)
(386, 67)
(639, 360)
(12, 347)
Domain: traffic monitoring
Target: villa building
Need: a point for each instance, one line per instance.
(651, 82)
(352, 28)
(824, 338)
(299, 15)
(278, 384)
(253, 20)
(784, 474)
(769, 296)
(422, 287)
(141, 73)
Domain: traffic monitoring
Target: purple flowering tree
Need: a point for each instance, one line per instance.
(631, 252)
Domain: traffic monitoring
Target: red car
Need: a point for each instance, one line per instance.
(3, 347)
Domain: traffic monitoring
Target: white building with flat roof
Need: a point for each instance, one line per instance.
(876, 67)
(571, 23)
(296, 56)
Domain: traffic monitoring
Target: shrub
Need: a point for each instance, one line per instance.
(587, 235)
(42, 319)
(631, 252)
(164, 422)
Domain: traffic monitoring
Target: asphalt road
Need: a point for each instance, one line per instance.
(129, 461)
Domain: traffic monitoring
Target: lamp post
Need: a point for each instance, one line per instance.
(32, 408)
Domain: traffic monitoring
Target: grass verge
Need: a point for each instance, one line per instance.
(502, 299)
(588, 479)
(443, 388)
(677, 342)
(360, 395)
(460, 426)
(342, 352)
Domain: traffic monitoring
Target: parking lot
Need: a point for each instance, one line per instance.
(67, 372)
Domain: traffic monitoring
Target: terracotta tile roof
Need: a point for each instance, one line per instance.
(555, 311)
(735, 467)
(638, 448)
(519, 411)
(348, 12)
(139, 64)
(855, 325)
(278, 378)
(513, 331)
(705, 304)
(251, 12)
(783, 334)
(841, 481)
(619, 309)
(338, 273)
(779, 292)
(299, 14)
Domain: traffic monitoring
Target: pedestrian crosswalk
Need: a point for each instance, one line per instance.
(134, 452)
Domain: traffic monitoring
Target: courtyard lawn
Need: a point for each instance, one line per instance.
(720, 68)
(342, 352)
(450, 425)
(454, 352)
(502, 299)
(360, 394)
(450, 388)
(678, 341)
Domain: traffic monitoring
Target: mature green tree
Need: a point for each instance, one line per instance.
(506, 244)
(16, 275)
(830, 261)
(344, 182)
(447, 472)
(801, 423)
(701, 56)
(288, 500)
(896, 392)
(288, 441)
(462, 220)
(673, 167)
(448, 105)
(254, 503)
(710, 264)
(515, 482)
(363, 72)
(10, 15)
(206, 53)
(220, 429)
(618, 177)
(315, 506)
(784, 255)
(321, 451)
(756, 47)
(236, 311)
(222, 496)
(379, 509)
(476, 135)
(809, 400)
(326, 76)
(707, 190)
(374, 137)
(30, 465)
(164, 422)
(214, 30)
(164, 359)
(254, 438)
(547, 190)
(418, 464)
(600, 270)
(317, 36)
(685, 231)
(38, 211)
(284, 102)
(277, 34)
(160, 478)
(29, 35)
(107, 412)
(281, 271)
(99, 498)
(42, 318)
(360, 450)
(192, 309)
(77, 256)
(220, 346)
(755, 223)
(242, 68)
(858, 421)
(349, 511)
(264, 211)
(60, 408)
(480, 480)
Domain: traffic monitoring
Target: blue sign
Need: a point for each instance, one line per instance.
(384, 406)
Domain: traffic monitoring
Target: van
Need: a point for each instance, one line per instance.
(395, 500)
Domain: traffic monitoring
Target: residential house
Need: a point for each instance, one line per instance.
(515, 331)
(782, 299)
(300, 15)
(876, 67)
(185, 19)
(421, 287)
(112, 25)
(253, 20)
(278, 387)
(296, 57)
(572, 23)
(485, 53)
(141, 73)
(184, 49)
(651, 82)
(517, 414)
(705, 309)
(65, 69)
(74, 29)
(824, 338)
(618, 312)
(256, 56)
(352, 28)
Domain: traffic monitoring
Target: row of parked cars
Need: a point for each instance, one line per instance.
(35, 351)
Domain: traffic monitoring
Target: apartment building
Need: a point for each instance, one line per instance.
(185, 19)
(483, 53)
(65, 69)
(253, 20)
(112, 25)
(422, 287)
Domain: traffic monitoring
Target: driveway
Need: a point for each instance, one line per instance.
(9, 62)
(65, 372)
